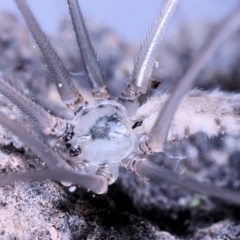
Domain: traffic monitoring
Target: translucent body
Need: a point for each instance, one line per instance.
(102, 134)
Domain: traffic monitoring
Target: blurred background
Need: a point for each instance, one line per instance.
(129, 19)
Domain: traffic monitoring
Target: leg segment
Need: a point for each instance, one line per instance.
(57, 72)
(154, 172)
(94, 183)
(88, 56)
(148, 53)
(47, 123)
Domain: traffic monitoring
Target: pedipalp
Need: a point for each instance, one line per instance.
(58, 170)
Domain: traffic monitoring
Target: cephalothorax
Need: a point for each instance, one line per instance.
(110, 133)
(100, 137)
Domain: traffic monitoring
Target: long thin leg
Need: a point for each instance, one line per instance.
(159, 132)
(40, 117)
(45, 152)
(148, 53)
(59, 169)
(97, 184)
(89, 59)
(152, 171)
(57, 72)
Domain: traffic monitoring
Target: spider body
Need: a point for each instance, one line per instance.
(102, 136)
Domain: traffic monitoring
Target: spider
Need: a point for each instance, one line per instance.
(106, 133)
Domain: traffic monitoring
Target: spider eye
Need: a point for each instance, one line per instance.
(74, 150)
(68, 145)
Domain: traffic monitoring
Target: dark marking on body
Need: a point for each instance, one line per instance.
(104, 126)
(101, 106)
(84, 112)
(137, 124)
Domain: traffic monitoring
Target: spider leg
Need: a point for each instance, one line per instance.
(57, 71)
(97, 184)
(39, 116)
(87, 53)
(199, 111)
(155, 142)
(148, 53)
(50, 158)
(152, 171)
(59, 169)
